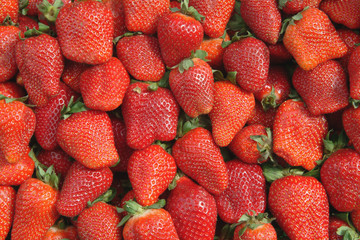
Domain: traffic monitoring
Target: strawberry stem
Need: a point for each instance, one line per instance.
(191, 11)
(50, 11)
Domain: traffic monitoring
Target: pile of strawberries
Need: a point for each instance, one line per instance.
(198, 119)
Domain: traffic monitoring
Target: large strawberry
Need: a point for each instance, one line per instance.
(143, 109)
(232, 108)
(298, 135)
(85, 31)
(150, 171)
(197, 155)
(354, 73)
(7, 206)
(351, 124)
(88, 137)
(343, 12)
(312, 39)
(9, 36)
(300, 206)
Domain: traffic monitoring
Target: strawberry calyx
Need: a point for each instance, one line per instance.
(291, 20)
(189, 10)
(187, 63)
(127, 34)
(172, 185)
(42, 29)
(252, 220)
(50, 11)
(164, 145)
(219, 76)
(348, 233)
(186, 123)
(354, 102)
(22, 6)
(8, 22)
(237, 37)
(72, 107)
(236, 22)
(106, 197)
(270, 100)
(9, 100)
(282, 3)
(273, 171)
(264, 146)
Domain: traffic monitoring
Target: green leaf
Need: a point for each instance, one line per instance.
(159, 204)
(200, 54)
(164, 81)
(282, 3)
(242, 231)
(231, 76)
(185, 64)
(50, 11)
(124, 220)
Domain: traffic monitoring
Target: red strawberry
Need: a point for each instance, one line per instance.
(26, 22)
(88, 138)
(354, 73)
(350, 38)
(279, 53)
(212, 46)
(130, 195)
(295, 6)
(9, 36)
(334, 224)
(246, 191)
(197, 155)
(263, 18)
(117, 10)
(351, 124)
(82, 185)
(260, 116)
(99, 222)
(103, 86)
(175, 4)
(141, 57)
(143, 109)
(298, 143)
(85, 31)
(313, 39)
(343, 12)
(71, 74)
(40, 63)
(56, 233)
(9, 8)
(250, 58)
(150, 170)
(232, 108)
(324, 88)
(355, 218)
(7, 199)
(193, 88)
(193, 210)
(11, 90)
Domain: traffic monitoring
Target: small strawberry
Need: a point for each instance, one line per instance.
(71, 74)
(343, 12)
(334, 224)
(58, 233)
(260, 116)
(351, 124)
(9, 8)
(212, 46)
(7, 206)
(354, 73)
(11, 90)
(9, 36)
(117, 10)
(279, 53)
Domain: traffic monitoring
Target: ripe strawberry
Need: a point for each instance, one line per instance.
(130, 195)
(11, 90)
(7, 199)
(175, 4)
(9, 8)
(260, 116)
(263, 18)
(324, 88)
(250, 58)
(9, 36)
(56, 158)
(350, 38)
(294, 6)
(40, 63)
(246, 191)
(91, 41)
(88, 138)
(334, 224)
(343, 12)
(143, 109)
(354, 73)
(99, 222)
(141, 57)
(56, 233)
(82, 185)
(279, 53)
(117, 10)
(298, 143)
(103, 86)
(212, 46)
(197, 155)
(26, 22)
(143, 16)
(193, 88)
(300, 199)
(216, 13)
(313, 39)
(190, 220)
(351, 123)
(355, 218)
(71, 74)
(232, 108)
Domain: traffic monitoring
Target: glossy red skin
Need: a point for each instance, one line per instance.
(340, 175)
(212, 46)
(299, 199)
(9, 36)
(350, 38)
(141, 57)
(99, 222)
(56, 158)
(7, 199)
(80, 186)
(178, 36)
(103, 86)
(198, 156)
(355, 218)
(35, 210)
(334, 224)
(343, 12)
(245, 191)
(250, 58)
(72, 72)
(265, 231)
(354, 73)
(194, 88)
(142, 113)
(279, 53)
(193, 210)
(55, 233)
(294, 6)
(90, 42)
(351, 123)
(12, 90)
(298, 143)
(11, 8)
(324, 88)
(150, 171)
(260, 116)
(117, 10)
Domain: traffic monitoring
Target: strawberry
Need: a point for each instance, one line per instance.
(197, 155)
(250, 58)
(295, 6)
(82, 185)
(99, 222)
(260, 116)
(324, 88)
(85, 31)
(193, 88)
(217, 14)
(7, 199)
(9, 36)
(190, 220)
(11, 90)
(246, 191)
(56, 233)
(40, 63)
(71, 74)
(143, 109)
(26, 22)
(103, 86)
(351, 123)
(117, 10)
(354, 73)
(343, 12)
(279, 53)
(150, 171)
(334, 224)
(232, 108)
(300, 199)
(340, 175)
(350, 38)
(143, 16)
(141, 57)
(212, 46)
(9, 8)
(263, 18)
(88, 138)
(298, 143)
(175, 4)
(312, 39)
(355, 218)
